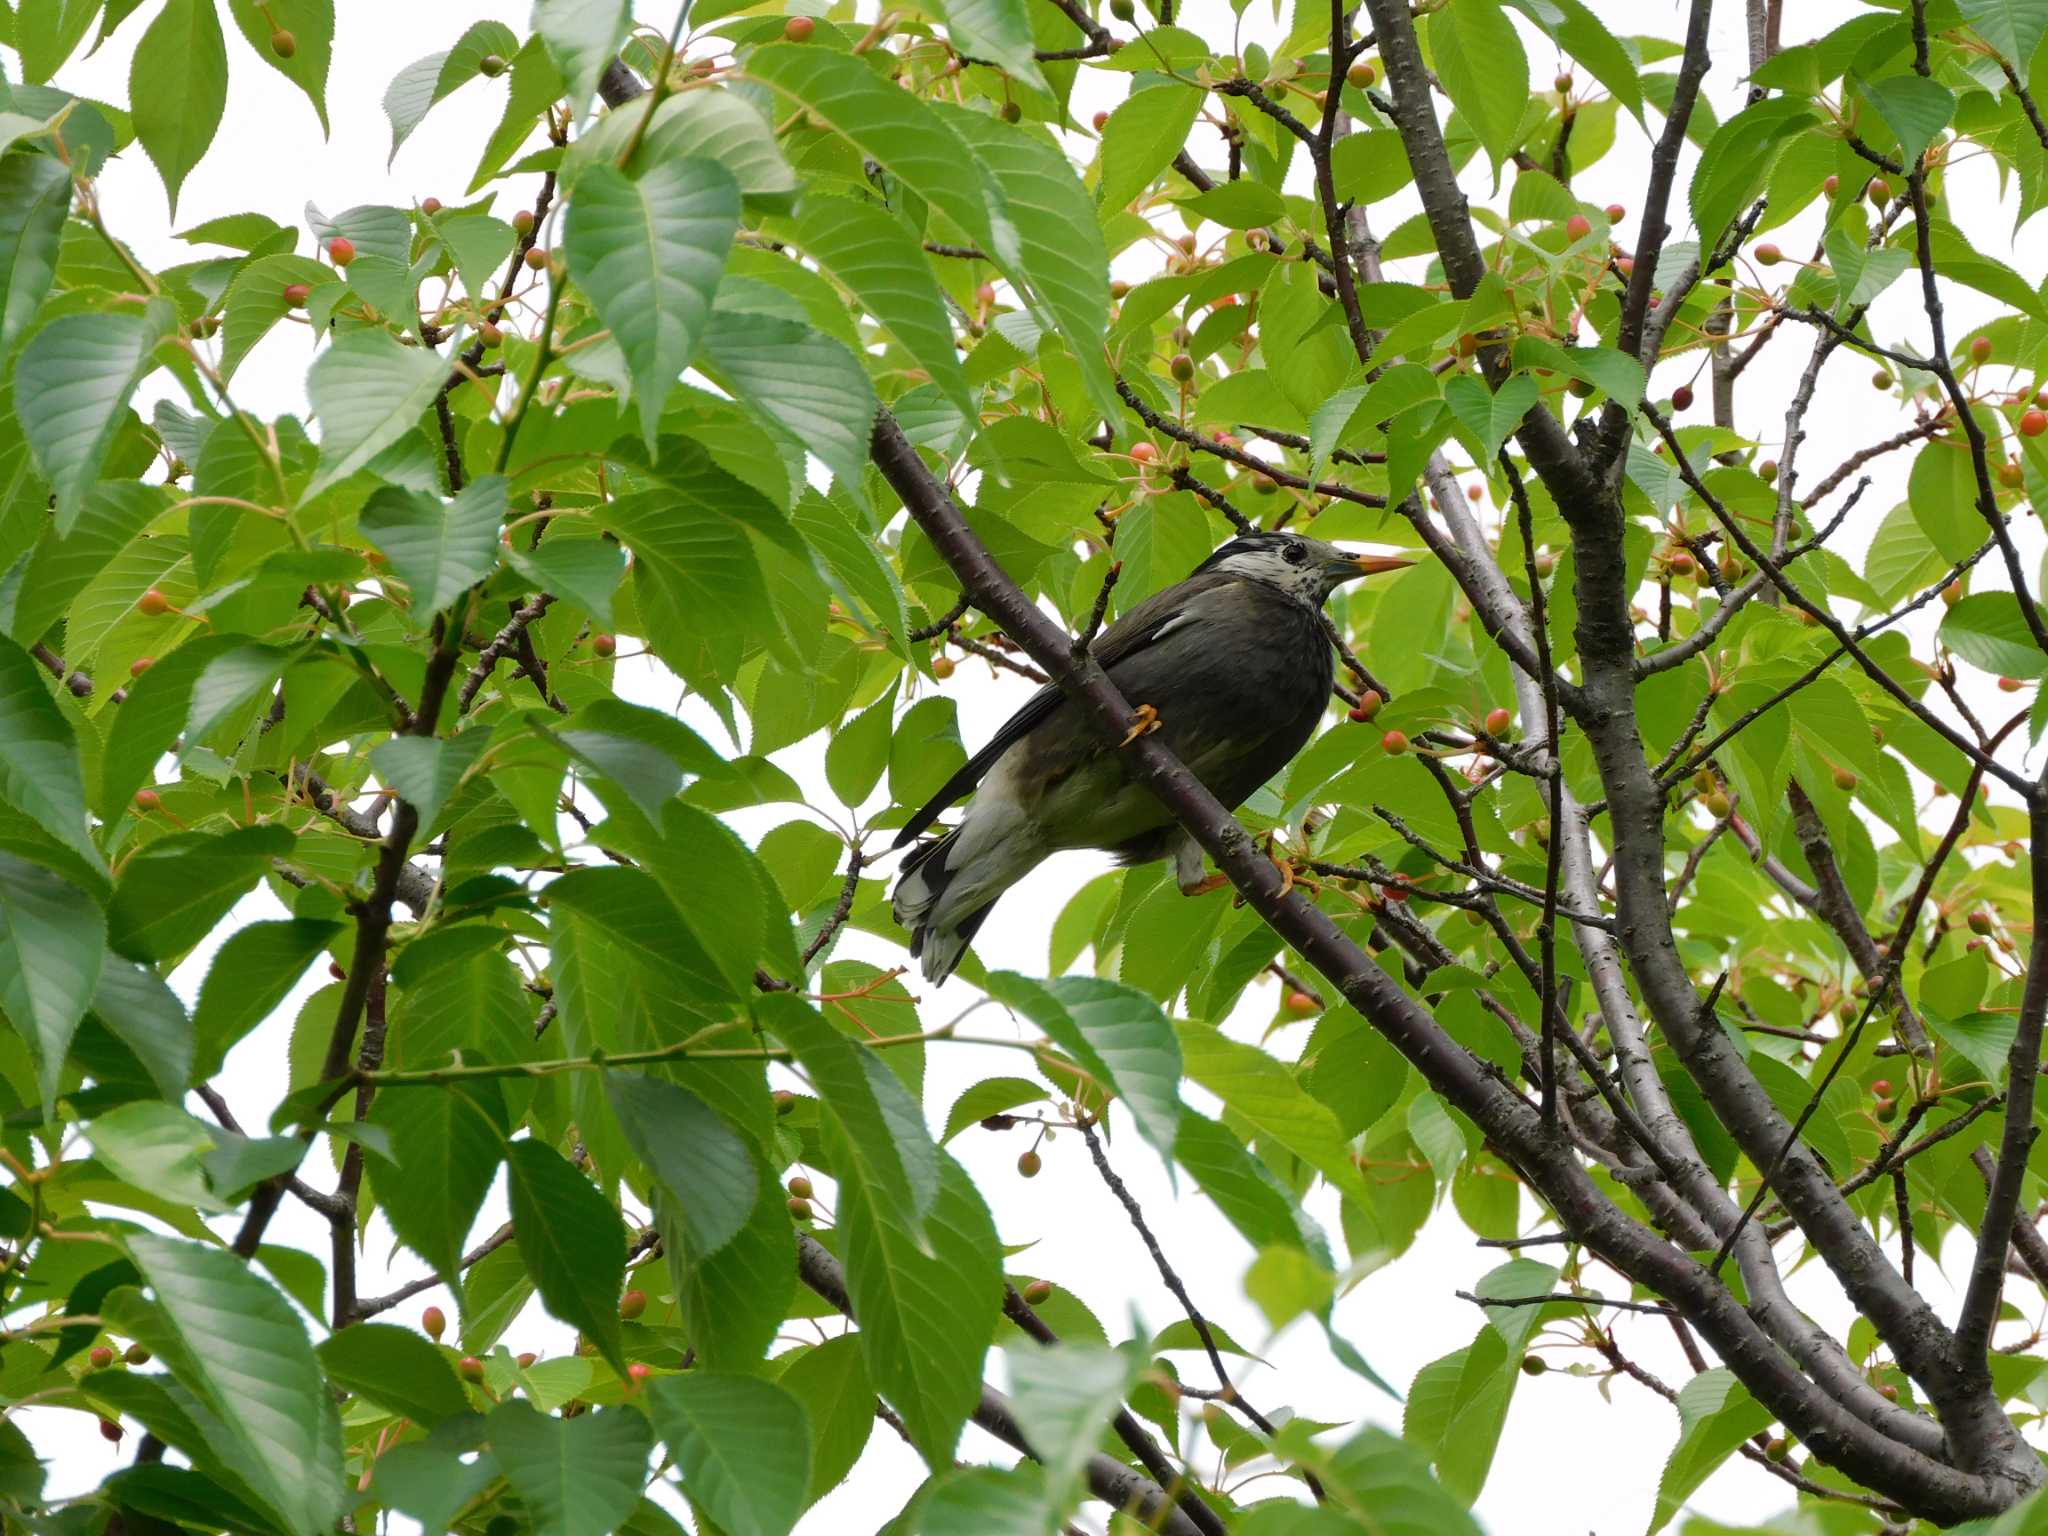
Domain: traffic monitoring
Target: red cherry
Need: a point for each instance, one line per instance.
(1101, 121)
(604, 645)
(1681, 398)
(100, 1358)
(153, 603)
(1394, 743)
(1980, 349)
(140, 665)
(147, 800)
(110, 1431)
(798, 29)
(1616, 213)
(1577, 227)
(1368, 705)
(469, 1368)
(526, 1359)
(637, 1373)
(1145, 453)
(2033, 422)
(341, 250)
(295, 295)
(1300, 1004)
(1498, 722)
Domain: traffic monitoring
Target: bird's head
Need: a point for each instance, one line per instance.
(1307, 569)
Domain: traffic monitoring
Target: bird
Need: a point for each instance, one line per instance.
(1233, 666)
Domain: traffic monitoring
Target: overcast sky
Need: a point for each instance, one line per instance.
(270, 157)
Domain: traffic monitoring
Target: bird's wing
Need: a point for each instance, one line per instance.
(1132, 633)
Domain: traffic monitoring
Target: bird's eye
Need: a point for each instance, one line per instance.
(1294, 554)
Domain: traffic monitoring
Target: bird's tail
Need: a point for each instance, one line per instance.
(938, 936)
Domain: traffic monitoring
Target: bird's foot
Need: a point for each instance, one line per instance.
(1205, 885)
(1145, 724)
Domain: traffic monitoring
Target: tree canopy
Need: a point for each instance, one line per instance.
(1658, 898)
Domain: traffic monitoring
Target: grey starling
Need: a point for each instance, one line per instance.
(1233, 665)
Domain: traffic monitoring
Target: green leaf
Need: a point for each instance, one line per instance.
(640, 918)
(160, 1150)
(926, 1316)
(1147, 129)
(1263, 1092)
(1251, 1198)
(2013, 27)
(229, 684)
(582, 36)
(242, 1351)
(1737, 161)
(52, 946)
(1988, 630)
(427, 770)
(311, 24)
(895, 129)
(445, 1147)
(439, 551)
(71, 388)
(806, 382)
(1914, 108)
(40, 773)
(1715, 1415)
(584, 571)
(253, 972)
(178, 85)
(1580, 33)
(576, 1477)
(1237, 205)
(144, 1014)
(1062, 1397)
(990, 1096)
(743, 1446)
(889, 1153)
(35, 195)
(857, 753)
(1117, 1035)
(1491, 415)
(1060, 255)
(874, 254)
(650, 253)
(830, 1383)
(1479, 59)
(1386, 1483)
(572, 1242)
(998, 31)
(981, 1501)
(368, 392)
(423, 83)
(395, 1367)
(704, 1166)
(1982, 1039)
(925, 750)
(1284, 1282)
(173, 892)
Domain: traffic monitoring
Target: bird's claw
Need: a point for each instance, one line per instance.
(1205, 885)
(1147, 721)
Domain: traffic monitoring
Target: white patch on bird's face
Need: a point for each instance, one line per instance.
(1301, 577)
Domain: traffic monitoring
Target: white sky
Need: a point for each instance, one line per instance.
(269, 156)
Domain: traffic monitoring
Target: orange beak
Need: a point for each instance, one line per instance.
(1373, 565)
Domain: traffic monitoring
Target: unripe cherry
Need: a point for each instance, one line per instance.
(1182, 368)
(1844, 780)
(942, 667)
(1564, 84)
(140, 665)
(435, 1322)
(522, 221)
(525, 1359)
(469, 1368)
(430, 206)
(1300, 1004)
(1029, 1163)
(1616, 213)
(632, 1304)
(798, 29)
(296, 294)
(1368, 705)
(147, 800)
(1038, 1291)
(490, 66)
(2010, 685)
(137, 1354)
(1768, 255)
(100, 1358)
(801, 1187)
(490, 335)
(1577, 227)
(1362, 74)
(604, 645)
(1144, 453)
(283, 44)
(1394, 743)
(800, 1209)
(636, 1374)
(1832, 185)
(1980, 349)
(1498, 722)
(536, 257)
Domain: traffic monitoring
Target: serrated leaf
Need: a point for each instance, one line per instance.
(2013, 27)
(1117, 1035)
(1263, 1093)
(650, 253)
(427, 770)
(72, 384)
(584, 571)
(52, 946)
(1916, 109)
(926, 1317)
(35, 195)
(1715, 1415)
(577, 1477)
(572, 1243)
(705, 1167)
(311, 25)
(253, 972)
(874, 254)
(439, 550)
(806, 382)
(743, 1446)
(178, 84)
(40, 772)
(368, 392)
(1062, 1397)
(145, 1015)
(244, 1353)
(173, 892)
(1491, 415)
(1988, 630)
(1484, 70)
(1145, 131)
(445, 1149)
(397, 1368)
(582, 36)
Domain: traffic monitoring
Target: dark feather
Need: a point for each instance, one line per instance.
(1125, 638)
